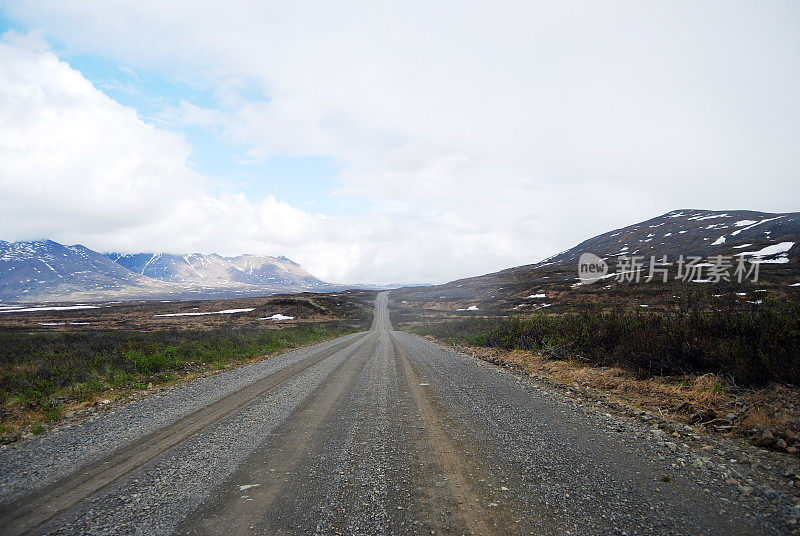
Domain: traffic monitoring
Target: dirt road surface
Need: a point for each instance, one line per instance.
(379, 432)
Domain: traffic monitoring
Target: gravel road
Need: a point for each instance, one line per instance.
(379, 432)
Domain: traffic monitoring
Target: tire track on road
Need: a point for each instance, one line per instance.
(478, 513)
(27, 513)
(269, 469)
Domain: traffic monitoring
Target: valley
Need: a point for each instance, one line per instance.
(526, 400)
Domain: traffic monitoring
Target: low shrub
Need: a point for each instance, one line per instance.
(748, 344)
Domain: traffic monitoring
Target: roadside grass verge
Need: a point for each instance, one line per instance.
(768, 416)
(731, 368)
(44, 376)
(748, 345)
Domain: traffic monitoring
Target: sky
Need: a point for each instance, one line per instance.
(389, 142)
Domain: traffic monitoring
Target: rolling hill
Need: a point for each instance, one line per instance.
(770, 240)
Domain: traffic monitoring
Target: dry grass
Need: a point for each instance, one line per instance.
(706, 401)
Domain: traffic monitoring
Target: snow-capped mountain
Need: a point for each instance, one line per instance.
(703, 233)
(215, 270)
(48, 271)
(30, 270)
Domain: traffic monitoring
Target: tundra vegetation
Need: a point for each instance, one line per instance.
(748, 344)
(727, 365)
(48, 374)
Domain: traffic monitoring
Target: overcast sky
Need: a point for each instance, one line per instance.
(376, 142)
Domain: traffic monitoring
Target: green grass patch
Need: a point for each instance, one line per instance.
(41, 372)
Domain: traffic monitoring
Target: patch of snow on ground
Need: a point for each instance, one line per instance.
(718, 241)
(277, 316)
(780, 259)
(223, 312)
(541, 295)
(754, 224)
(795, 285)
(742, 246)
(53, 308)
(711, 217)
(774, 249)
(470, 308)
(744, 223)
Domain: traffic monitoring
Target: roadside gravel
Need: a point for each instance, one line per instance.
(157, 499)
(594, 472)
(33, 463)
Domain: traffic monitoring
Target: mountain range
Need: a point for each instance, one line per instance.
(45, 270)
(217, 271)
(48, 271)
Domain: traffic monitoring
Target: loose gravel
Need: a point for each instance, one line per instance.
(395, 434)
(595, 472)
(32, 464)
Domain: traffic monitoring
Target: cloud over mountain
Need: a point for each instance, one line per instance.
(478, 137)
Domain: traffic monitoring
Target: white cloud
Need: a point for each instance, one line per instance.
(79, 167)
(71, 155)
(487, 136)
(76, 165)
